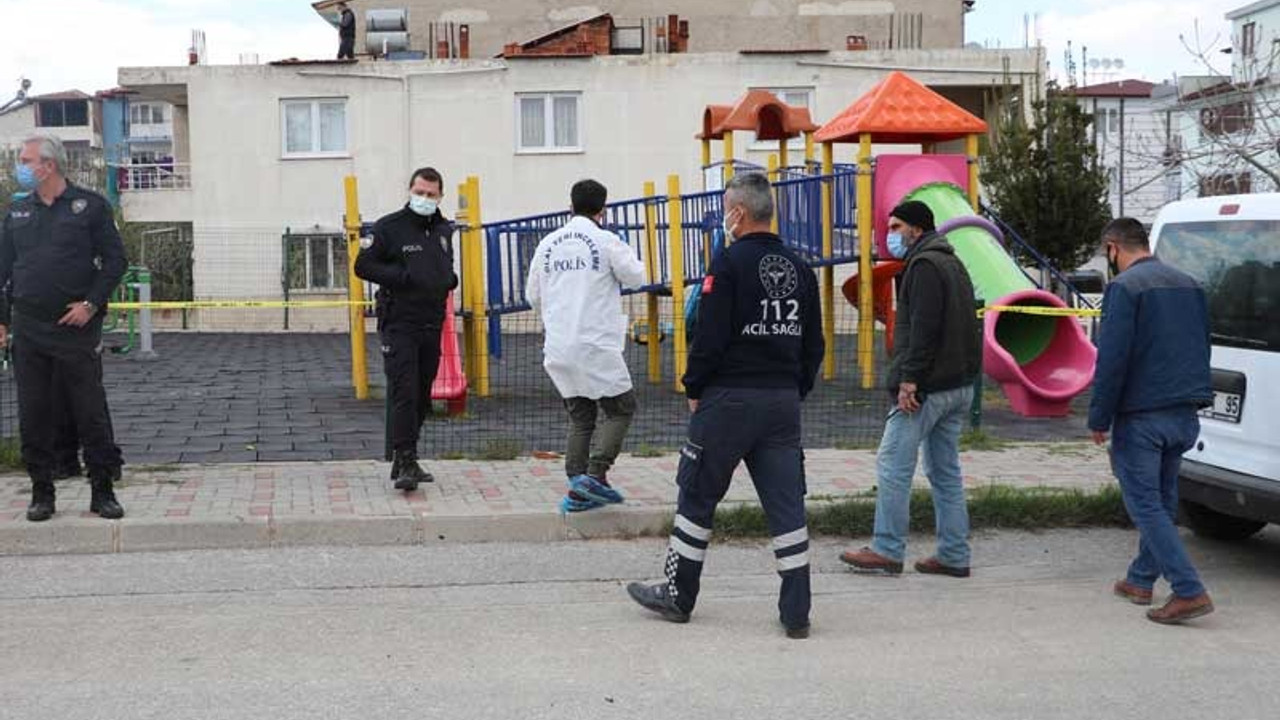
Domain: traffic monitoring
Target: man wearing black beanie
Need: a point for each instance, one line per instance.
(937, 355)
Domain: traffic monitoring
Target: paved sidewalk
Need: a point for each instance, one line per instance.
(183, 507)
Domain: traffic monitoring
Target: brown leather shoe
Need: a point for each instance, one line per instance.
(1179, 610)
(868, 561)
(1132, 593)
(932, 566)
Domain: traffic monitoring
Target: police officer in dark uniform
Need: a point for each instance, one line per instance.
(755, 356)
(61, 249)
(411, 260)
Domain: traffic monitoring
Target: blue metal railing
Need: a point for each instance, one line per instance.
(1040, 260)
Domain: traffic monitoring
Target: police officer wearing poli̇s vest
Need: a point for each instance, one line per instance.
(411, 260)
(756, 353)
(61, 249)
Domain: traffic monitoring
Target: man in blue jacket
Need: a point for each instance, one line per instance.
(1151, 379)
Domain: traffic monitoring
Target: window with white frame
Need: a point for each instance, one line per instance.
(316, 262)
(548, 122)
(313, 128)
(795, 97)
(145, 114)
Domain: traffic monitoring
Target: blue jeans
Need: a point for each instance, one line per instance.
(935, 428)
(1146, 452)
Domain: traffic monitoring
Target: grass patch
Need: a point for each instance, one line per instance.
(1065, 449)
(648, 451)
(993, 397)
(154, 468)
(11, 454)
(499, 449)
(980, 440)
(991, 507)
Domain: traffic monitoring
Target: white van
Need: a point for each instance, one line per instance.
(1230, 481)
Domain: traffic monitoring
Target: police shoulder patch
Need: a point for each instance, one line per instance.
(79, 205)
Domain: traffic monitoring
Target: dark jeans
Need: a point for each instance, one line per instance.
(587, 452)
(56, 368)
(1146, 453)
(410, 359)
(761, 427)
(346, 48)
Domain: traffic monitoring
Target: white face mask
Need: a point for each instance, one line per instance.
(728, 229)
(423, 205)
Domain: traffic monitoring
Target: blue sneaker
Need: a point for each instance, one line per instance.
(592, 489)
(570, 504)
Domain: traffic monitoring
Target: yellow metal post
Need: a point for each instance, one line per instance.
(706, 152)
(783, 156)
(675, 238)
(651, 299)
(808, 149)
(479, 317)
(773, 178)
(971, 149)
(828, 272)
(355, 292)
(728, 155)
(866, 303)
(463, 219)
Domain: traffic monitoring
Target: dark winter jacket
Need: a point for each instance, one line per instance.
(937, 335)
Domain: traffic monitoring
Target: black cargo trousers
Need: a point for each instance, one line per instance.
(762, 427)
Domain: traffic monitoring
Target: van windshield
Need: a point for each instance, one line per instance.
(1238, 263)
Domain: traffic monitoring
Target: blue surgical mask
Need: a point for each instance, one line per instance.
(897, 245)
(423, 205)
(26, 177)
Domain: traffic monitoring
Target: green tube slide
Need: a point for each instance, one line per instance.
(994, 274)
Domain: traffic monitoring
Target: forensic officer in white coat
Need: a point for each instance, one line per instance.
(575, 283)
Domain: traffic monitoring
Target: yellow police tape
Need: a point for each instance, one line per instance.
(1042, 310)
(277, 304)
(227, 304)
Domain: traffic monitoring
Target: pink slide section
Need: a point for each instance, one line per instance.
(451, 382)
(1040, 361)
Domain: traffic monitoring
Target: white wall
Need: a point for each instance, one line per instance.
(1138, 151)
(20, 124)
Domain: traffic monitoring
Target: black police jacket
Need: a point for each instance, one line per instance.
(759, 320)
(60, 254)
(411, 260)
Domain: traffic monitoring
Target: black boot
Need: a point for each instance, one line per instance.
(68, 468)
(395, 467)
(410, 472)
(42, 505)
(103, 500)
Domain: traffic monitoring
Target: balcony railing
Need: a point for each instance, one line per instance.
(156, 176)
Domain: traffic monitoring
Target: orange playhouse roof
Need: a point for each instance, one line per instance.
(901, 110)
(758, 110)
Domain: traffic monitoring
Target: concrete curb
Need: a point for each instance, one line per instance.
(85, 536)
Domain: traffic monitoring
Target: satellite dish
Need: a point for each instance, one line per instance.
(1093, 64)
(1119, 63)
(1107, 63)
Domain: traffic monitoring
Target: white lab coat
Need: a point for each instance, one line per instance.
(575, 283)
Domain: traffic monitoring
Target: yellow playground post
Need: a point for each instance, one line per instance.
(971, 150)
(651, 298)
(773, 179)
(866, 309)
(355, 292)
(675, 239)
(728, 155)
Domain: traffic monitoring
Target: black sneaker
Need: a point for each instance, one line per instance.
(799, 632)
(42, 502)
(655, 598)
(411, 473)
(103, 502)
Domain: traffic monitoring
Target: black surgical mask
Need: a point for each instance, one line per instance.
(1113, 263)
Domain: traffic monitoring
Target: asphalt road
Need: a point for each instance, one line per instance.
(545, 631)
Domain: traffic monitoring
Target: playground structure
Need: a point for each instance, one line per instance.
(830, 213)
